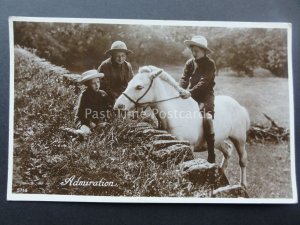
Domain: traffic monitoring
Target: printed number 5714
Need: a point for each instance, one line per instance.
(22, 190)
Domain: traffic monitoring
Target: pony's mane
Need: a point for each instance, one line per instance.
(164, 75)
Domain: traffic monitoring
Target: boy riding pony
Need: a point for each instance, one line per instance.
(199, 80)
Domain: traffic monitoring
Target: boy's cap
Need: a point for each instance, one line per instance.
(89, 75)
(118, 46)
(199, 41)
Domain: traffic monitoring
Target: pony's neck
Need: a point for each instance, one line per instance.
(174, 113)
(166, 91)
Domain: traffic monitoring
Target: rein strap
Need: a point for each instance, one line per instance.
(144, 103)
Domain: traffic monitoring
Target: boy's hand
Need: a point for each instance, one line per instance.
(184, 94)
(92, 125)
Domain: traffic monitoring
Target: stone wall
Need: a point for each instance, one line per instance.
(165, 147)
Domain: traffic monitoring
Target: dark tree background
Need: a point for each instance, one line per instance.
(79, 47)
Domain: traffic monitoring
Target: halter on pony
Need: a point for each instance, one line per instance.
(136, 103)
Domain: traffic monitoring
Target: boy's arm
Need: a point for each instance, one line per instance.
(105, 81)
(187, 73)
(128, 77)
(108, 100)
(80, 117)
(130, 72)
(207, 76)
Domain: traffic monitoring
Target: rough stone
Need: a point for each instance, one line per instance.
(151, 132)
(143, 124)
(201, 173)
(177, 152)
(231, 191)
(148, 116)
(163, 137)
(159, 144)
(141, 129)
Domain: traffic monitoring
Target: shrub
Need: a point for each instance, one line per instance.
(80, 47)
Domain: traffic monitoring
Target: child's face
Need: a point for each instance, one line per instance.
(119, 57)
(94, 84)
(197, 52)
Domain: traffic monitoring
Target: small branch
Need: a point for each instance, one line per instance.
(271, 120)
(273, 133)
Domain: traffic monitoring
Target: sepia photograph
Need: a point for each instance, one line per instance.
(157, 111)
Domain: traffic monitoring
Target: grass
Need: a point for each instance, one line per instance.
(259, 95)
(44, 155)
(268, 170)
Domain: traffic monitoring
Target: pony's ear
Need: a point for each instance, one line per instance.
(156, 74)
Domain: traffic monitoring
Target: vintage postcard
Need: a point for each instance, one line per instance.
(106, 110)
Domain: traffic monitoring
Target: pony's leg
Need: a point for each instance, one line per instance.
(240, 147)
(226, 149)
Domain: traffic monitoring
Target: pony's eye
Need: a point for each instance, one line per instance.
(139, 87)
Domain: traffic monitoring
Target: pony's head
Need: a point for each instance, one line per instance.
(139, 88)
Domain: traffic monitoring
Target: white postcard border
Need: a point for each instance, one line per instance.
(116, 199)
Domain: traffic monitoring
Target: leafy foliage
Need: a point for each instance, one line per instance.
(79, 47)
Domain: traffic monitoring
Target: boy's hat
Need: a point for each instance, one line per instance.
(118, 46)
(89, 75)
(199, 41)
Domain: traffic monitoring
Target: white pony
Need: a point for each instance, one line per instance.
(181, 117)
